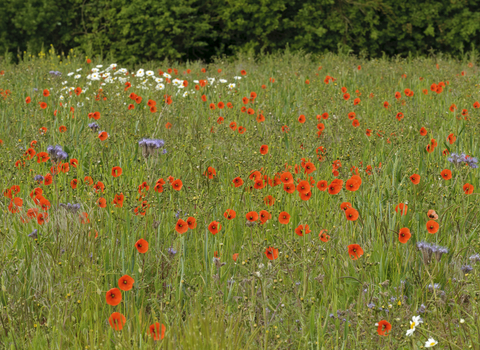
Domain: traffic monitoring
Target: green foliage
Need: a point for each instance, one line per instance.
(134, 31)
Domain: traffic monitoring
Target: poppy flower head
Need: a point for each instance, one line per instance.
(302, 230)
(383, 328)
(117, 321)
(322, 185)
(116, 171)
(345, 205)
(323, 236)
(353, 184)
(264, 216)
(432, 226)
(446, 174)
(114, 297)
(351, 214)
(335, 186)
(432, 214)
(154, 329)
(230, 214)
(214, 227)
(235, 257)
(284, 217)
(415, 178)
(252, 216)
(355, 251)
(402, 208)
(303, 187)
(301, 119)
(181, 226)
(177, 184)
(269, 200)
(125, 283)
(210, 172)
(286, 177)
(102, 135)
(264, 149)
(142, 246)
(404, 235)
(237, 181)
(468, 188)
(191, 222)
(271, 253)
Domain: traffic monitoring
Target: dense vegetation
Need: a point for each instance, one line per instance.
(283, 202)
(134, 31)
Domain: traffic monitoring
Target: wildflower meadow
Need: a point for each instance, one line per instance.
(283, 201)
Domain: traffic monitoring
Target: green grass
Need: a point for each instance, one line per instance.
(313, 296)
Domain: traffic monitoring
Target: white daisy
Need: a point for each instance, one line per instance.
(61, 97)
(113, 65)
(211, 80)
(95, 76)
(196, 81)
(237, 78)
(185, 94)
(95, 70)
(78, 76)
(166, 75)
(223, 81)
(79, 69)
(149, 73)
(430, 343)
(140, 73)
(410, 332)
(70, 74)
(231, 86)
(160, 87)
(99, 66)
(158, 80)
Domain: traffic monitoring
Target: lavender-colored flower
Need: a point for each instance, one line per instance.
(466, 268)
(56, 153)
(178, 214)
(331, 316)
(93, 126)
(38, 178)
(371, 305)
(421, 309)
(164, 151)
(471, 162)
(35, 89)
(34, 234)
(150, 145)
(475, 258)
(172, 251)
(72, 208)
(55, 73)
(456, 159)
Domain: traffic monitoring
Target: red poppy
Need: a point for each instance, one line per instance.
(43, 105)
(451, 138)
(335, 187)
(402, 208)
(264, 216)
(302, 230)
(446, 174)
(142, 246)
(235, 257)
(386, 104)
(476, 104)
(125, 283)
(241, 129)
(303, 187)
(74, 162)
(269, 200)
(118, 200)
(432, 226)
(284, 218)
(301, 119)
(177, 185)
(114, 297)
(271, 253)
(181, 226)
(28, 100)
(168, 125)
(73, 183)
(131, 106)
(210, 172)
(323, 236)
(468, 188)
(415, 178)
(102, 202)
(230, 214)
(237, 181)
(116, 319)
(116, 171)
(345, 205)
(154, 331)
(322, 185)
(355, 251)
(214, 227)
(383, 328)
(346, 96)
(356, 101)
(264, 149)
(351, 214)
(404, 235)
(252, 216)
(103, 136)
(191, 222)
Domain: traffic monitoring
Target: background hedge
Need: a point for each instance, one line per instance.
(138, 30)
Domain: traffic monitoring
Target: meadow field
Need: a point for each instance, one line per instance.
(280, 202)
